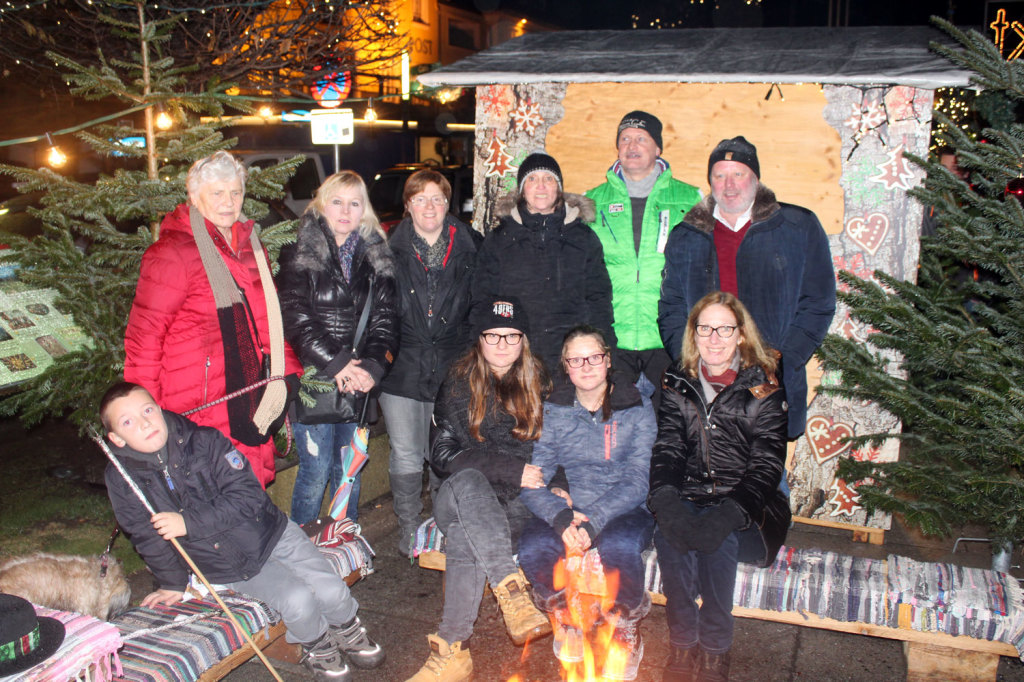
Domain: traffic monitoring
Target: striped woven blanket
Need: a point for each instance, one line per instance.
(895, 592)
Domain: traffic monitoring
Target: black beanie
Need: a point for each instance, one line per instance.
(739, 150)
(538, 161)
(497, 312)
(643, 121)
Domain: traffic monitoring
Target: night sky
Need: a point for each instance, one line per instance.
(615, 14)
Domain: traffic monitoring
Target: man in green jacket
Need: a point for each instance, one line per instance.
(637, 206)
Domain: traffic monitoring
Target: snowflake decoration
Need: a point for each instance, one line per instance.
(496, 100)
(896, 172)
(527, 116)
(856, 266)
(844, 497)
(497, 161)
(867, 454)
(860, 191)
(900, 103)
(865, 118)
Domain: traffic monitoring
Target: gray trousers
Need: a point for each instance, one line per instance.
(299, 583)
(478, 547)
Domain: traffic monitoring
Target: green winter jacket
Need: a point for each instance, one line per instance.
(636, 278)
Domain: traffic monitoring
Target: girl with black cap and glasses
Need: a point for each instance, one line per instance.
(487, 417)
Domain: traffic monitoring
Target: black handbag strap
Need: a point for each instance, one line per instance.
(363, 318)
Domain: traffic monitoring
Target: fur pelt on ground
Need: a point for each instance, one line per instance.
(67, 583)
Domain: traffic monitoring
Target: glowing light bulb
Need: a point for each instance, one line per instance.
(369, 115)
(164, 120)
(55, 157)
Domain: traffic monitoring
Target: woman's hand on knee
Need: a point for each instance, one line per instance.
(532, 477)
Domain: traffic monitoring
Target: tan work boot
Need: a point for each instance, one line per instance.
(447, 663)
(522, 619)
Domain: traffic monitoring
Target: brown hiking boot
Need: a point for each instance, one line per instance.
(447, 663)
(522, 619)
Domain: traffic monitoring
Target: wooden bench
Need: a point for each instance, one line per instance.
(170, 660)
(929, 655)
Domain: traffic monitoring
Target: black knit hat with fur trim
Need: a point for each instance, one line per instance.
(737, 149)
(644, 121)
(538, 161)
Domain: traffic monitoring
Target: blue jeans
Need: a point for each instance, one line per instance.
(620, 545)
(685, 575)
(319, 447)
(478, 547)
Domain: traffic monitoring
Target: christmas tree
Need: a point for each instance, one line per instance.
(946, 355)
(95, 233)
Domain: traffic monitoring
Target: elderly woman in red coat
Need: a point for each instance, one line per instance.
(206, 320)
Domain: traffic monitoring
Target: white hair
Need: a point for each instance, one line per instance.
(217, 166)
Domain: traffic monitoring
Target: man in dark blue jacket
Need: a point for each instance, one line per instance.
(774, 257)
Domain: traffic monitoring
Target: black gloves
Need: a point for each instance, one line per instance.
(714, 526)
(562, 520)
(674, 518)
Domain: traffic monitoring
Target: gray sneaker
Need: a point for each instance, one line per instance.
(353, 641)
(325, 661)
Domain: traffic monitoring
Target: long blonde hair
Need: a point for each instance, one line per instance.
(752, 350)
(520, 392)
(347, 179)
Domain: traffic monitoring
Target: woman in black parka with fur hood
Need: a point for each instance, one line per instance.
(324, 282)
(544, 253)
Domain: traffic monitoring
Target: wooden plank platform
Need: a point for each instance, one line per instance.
(263, 639)
(873, 536)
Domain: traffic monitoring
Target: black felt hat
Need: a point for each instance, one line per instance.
(498, 312)
(25, 638)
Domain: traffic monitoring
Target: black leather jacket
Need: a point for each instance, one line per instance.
(430, 344)
(500, 456)
(232, 524)
(321, 310)
(733, 448)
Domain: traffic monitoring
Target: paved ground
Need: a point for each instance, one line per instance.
(401, 604)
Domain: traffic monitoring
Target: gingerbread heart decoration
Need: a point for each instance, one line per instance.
(827, 440)
(868, 232)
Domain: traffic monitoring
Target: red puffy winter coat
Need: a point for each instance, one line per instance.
(173, 342)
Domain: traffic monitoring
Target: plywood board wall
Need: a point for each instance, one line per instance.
(798, 150)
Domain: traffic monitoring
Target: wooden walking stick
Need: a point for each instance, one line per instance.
(184, 555)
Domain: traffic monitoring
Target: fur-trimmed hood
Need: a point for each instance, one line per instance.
(314, 250)
(576, 206)
(702, 216)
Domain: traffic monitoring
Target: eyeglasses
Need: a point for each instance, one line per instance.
(595, 359)
(436, 200)
(724, 332)
(492, 339)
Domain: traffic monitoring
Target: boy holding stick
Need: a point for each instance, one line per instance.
(207, 497)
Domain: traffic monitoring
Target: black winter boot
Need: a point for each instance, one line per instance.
(714, 667)
(406, 490)
(683, 665)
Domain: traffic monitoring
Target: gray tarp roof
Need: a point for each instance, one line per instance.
(892, 55)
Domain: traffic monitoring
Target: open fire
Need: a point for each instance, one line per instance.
(584, 630)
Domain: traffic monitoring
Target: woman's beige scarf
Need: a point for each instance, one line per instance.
(226, 294)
